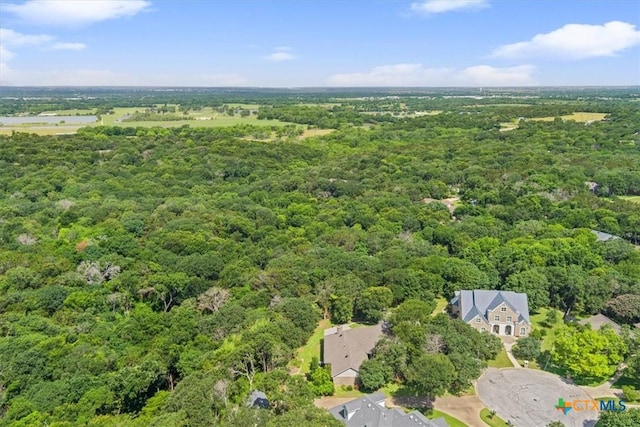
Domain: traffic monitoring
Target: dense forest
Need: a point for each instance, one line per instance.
(155, 276)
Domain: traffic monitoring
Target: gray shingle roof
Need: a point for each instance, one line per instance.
(347, 349)
(370, 411)
(603, 237)
(476, 302)
(598, 321)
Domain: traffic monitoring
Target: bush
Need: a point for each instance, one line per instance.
(527, 348)
(630, 393)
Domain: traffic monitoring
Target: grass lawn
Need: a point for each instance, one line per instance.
(634, 199)
(538, 322)
(453, 422)
(494, 421)
(312, 348)
(441, 304)
(501, 360)
(343, 392)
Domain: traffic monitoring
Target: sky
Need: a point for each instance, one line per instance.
(317, 43)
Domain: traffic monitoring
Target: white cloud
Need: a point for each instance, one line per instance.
(68, 46)
(6, 54)
(441, 6)
(13, 38)
(15, 41)
(75, 12)
(576, 41)
(283, 48)
(419, 75)
(280, 57)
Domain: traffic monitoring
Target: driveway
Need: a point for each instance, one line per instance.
(528, 397)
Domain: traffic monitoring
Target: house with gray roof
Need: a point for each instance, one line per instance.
(601, 236)
(370, 411)
(600, 320)
(257, 399)
(498, 312)
(345, 349)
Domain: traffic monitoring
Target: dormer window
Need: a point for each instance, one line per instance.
(503, 309)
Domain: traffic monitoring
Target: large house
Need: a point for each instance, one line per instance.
(499, 312)
(370, 411)
(345, 349)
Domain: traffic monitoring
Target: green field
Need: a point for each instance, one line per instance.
(205, 118)
(577, 116)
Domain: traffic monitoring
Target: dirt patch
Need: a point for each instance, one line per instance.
(330, 401)
(465, 408)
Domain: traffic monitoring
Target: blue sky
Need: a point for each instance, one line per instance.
(295, 43)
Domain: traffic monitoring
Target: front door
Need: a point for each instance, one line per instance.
(496, 329)
(507, 330)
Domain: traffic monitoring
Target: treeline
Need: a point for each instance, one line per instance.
(153, 276)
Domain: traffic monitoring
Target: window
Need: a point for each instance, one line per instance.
(477, 320)
(496, 318)
(483, 329)
(509, 318)
(523, 331)
(503, 309)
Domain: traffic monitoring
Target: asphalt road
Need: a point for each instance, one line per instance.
(528, 397)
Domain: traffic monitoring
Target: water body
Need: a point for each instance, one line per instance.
(68, 120)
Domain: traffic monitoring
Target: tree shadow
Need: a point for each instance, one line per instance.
(411, 399)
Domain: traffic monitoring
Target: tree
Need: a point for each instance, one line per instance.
(527, 348)
(588, 353)
(321, 381)
(625, 308)
(630, 394)
(374, 374)
(412, 310)
(555, 424)
(430, 374)
(300, 313)
(213, 299)
(341, 309)
(534, 284)
(371, 303)
(628, 418)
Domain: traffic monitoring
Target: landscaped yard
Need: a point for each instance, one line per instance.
(539, 323)
(344, 392)
(311, 349)
(492, 420)
(501, 360)
(453, 422)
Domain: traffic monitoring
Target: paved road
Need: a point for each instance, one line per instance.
(527, 398)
